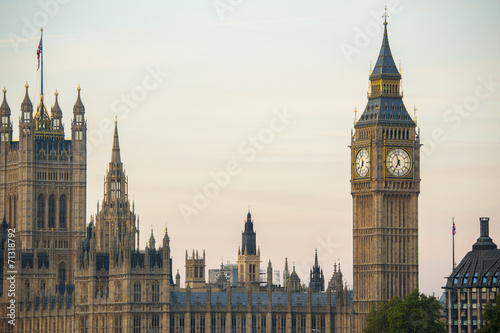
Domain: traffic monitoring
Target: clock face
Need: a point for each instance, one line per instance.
(398, 162)
(362, 162)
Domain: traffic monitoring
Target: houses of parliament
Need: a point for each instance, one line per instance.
(72, 276)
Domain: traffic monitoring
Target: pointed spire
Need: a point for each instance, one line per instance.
(27, 106)
(4, 108)
(56, 109)
(152, 241)
(316, 258)
(385, 66)
(78, 108)
(115, 154)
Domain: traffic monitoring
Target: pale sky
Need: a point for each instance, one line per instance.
(222, 71)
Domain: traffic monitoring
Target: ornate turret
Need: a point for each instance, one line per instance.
(5, 124)
(152, 241)
(317, 280)
(294, 282)
(56, 114)
(286, 274)
(269, 274)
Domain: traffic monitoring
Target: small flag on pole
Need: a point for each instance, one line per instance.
(39, 52)
(453, 230)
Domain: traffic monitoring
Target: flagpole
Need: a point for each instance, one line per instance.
(453, 242)
(41, 74)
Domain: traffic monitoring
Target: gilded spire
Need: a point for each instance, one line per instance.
(27, 106)
(56, 111)
(4, 108)
(115, 154)
(78, 108)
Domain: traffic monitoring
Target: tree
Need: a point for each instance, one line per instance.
(491, 316)
(416, 313)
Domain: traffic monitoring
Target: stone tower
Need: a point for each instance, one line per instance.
(116, 217)
(249, 255)
(385, 184)
(43, 182)
(195, 270)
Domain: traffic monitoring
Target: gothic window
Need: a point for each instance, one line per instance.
(155, 324)
(40, 211)
(137, 324)
(27, 288)
(5, 121)
(107, 235)
(42, 287)
(62, 273)
(155, 295)
(52, 211)
(62, 212)
(118, 324)
(119, 232)
(4, 137)
(26, 116)
(78, 119)
(137, 292)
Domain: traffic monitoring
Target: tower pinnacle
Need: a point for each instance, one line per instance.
(115, 154)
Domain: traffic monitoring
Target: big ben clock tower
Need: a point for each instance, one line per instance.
(385, 183)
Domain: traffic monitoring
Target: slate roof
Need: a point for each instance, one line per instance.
(385, 111)
(481, 266)
(385, 66)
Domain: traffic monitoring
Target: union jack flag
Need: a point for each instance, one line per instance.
(39, 52)
(453, 230)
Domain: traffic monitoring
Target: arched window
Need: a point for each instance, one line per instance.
(62, 273)
(62, 212)
(40, 211)
(52, 211)
(155, 295)
(42, 287)
(137, 292)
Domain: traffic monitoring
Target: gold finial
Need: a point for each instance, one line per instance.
(41, 29)
(4, 90)
(56, 93)
(415, 113)
(78, 88)
(26, 85)
(116, 122)
(385, 16)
